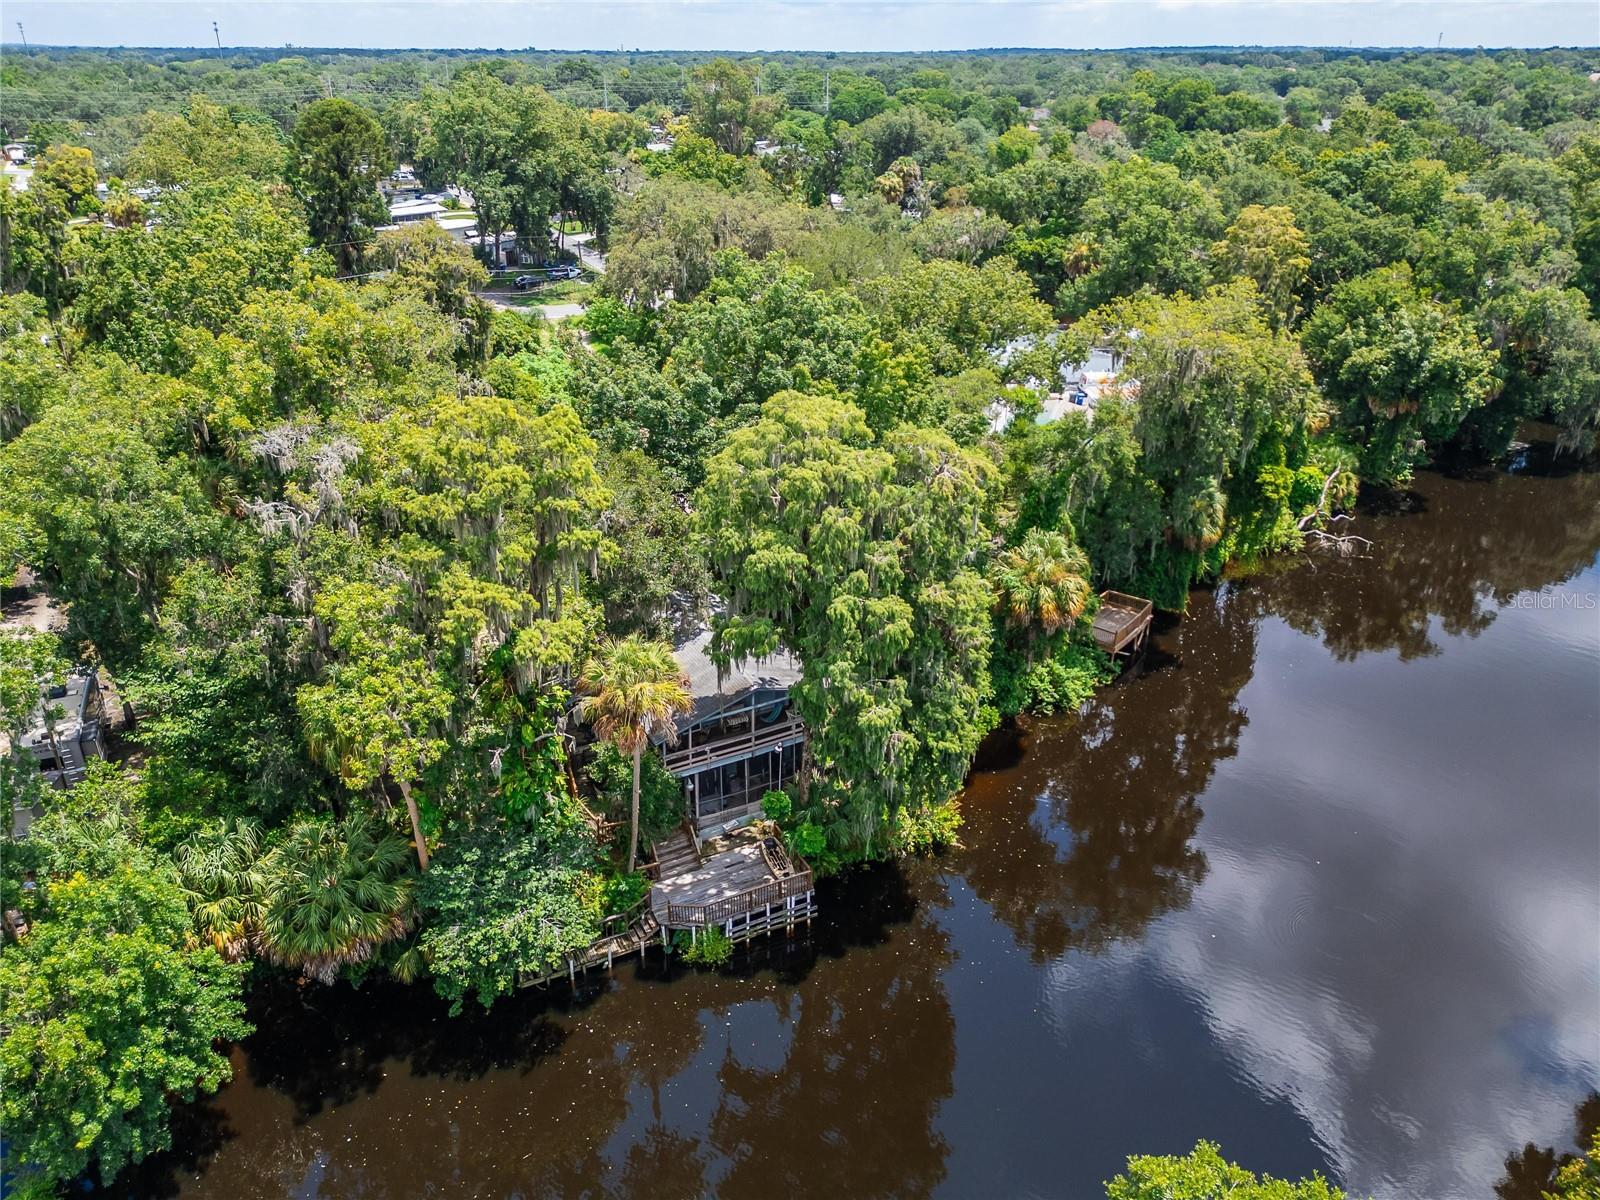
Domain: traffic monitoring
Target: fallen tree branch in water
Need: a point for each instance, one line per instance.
(1342, 544)
(1322, 500)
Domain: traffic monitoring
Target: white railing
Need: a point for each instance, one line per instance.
(687, 759)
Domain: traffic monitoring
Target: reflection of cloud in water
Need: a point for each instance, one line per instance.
(1425, 994)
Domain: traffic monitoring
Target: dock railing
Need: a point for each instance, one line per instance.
(776, 891)
(1122, 621)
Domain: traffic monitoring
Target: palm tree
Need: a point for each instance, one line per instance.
(335, 892)
(225, 882)
(1044, 582)
(633, 689)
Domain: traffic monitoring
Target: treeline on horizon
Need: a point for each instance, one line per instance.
(354, 542)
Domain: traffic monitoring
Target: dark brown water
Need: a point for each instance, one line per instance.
(1320, 880)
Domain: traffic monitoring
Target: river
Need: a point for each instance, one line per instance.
(1319, 879)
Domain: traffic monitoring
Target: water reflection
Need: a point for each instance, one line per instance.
(1531, 1172)
(868, 1063)
(1481, 540)
(659, 1082)
(1106, 844)
(1400, 928)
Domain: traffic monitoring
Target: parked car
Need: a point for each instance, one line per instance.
(527, 281)
(565, 272)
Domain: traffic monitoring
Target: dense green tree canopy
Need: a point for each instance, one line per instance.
(205, 143)
(1402, 368)
(855, 556)
(107, 1017)
(140, 288)
(336, 156)
(347, 539)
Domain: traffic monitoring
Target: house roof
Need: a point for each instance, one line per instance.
(712, 691)
(1079, 388)
(415, 208)
(73, 697)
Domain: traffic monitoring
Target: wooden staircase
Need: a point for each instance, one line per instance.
(617, 945)
(676, 854)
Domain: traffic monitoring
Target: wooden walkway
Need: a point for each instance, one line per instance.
(1122, 623)
(634, 932)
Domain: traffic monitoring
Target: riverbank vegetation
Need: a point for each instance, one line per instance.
(354, 544)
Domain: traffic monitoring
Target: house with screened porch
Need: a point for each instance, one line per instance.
(740, 739)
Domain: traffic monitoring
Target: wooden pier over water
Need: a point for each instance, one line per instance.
(744, 883)
(1122, 623)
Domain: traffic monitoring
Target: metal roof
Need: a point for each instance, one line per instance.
(712, 693)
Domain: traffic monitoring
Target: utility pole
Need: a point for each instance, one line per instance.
(217, 35)
(827, 92)
(24, 35)
(605, 90)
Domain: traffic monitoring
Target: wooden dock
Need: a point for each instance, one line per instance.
(744, 884)
(1122, 623)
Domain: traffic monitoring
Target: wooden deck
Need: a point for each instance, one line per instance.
(739, 883)
(735, 877)
(1122, 622)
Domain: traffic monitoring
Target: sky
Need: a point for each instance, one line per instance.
(748, 25)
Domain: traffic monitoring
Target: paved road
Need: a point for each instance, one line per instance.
(550, 312)
(578, 243)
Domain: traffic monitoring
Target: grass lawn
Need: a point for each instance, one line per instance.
(567, 291)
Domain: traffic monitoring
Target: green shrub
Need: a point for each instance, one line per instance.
(711, 949)
(777, 806)
(807, 840)
(928, 827)
(622, 892)
(507, 900)
(1062, 682)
